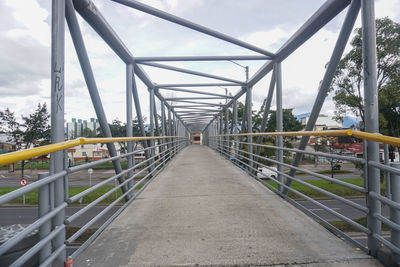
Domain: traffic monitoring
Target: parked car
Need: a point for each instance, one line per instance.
(336, 167)
(264, 173)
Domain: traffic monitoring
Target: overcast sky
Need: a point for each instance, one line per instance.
(25, 50)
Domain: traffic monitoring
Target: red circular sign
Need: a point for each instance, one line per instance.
(23, 182)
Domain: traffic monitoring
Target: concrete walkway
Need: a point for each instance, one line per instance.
(203, 211)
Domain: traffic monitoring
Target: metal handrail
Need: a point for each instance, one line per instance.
(230, 147)
(395, 141)
(43, 150)
(155, 163)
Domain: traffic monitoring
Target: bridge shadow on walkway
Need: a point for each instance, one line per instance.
(203, 211)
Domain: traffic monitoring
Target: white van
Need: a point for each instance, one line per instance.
(265, 173)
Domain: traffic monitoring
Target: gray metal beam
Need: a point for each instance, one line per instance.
(200, 58)
(185, 115)
(371, 119)
(194, 98)
(156, 117)
(319, 19)
(192, 106)
(139, 115)
(267, 107)
(152, 108)
(192, 72)
(234, 126)
(279, 119)
(192, 91)
(83, 58)
(249, 120)
(94, 18)
(337, 53)
(188, 24)
(200, 103)
(129, 123)
(196, 113)
(193, 85)
(57, 116)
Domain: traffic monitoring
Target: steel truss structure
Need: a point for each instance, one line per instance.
(191, 114)
(212, 118)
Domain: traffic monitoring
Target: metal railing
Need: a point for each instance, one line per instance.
(235, 150)
(133, 182)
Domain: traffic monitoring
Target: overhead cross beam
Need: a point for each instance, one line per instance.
(188, 24)
(199, 58)
(192, 72)
(194, 92)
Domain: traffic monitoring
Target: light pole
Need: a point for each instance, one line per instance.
(246, 68)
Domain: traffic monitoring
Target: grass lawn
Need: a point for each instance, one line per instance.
(345, 227)
(32, 197)
(328, 186)
(324, 172)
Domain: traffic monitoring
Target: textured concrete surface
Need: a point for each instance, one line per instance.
(203, 211)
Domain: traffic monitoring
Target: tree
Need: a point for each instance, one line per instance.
(33, 131)
(12, 128)
(348, 79)
(118, 129)
(290, 123)
(87, 132)
(37, 129)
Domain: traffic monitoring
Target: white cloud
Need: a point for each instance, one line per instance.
(25, 55)
(270, 40)
(31, 21)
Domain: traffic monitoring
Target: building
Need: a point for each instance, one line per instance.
(76, 128)
(324, 122)
(195, 138)
(5, 144)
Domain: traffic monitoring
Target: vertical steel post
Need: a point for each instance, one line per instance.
(139, 113)
(221, 130)
(174, 132)
(279, 119)
(337, 53)
(235, 130)
(371, 116)
(83, 58)
(57, 115)
(157, 132)
(243, 126)
(226, 131)
(387, 174)
(129, 126)
(163, 125)
(44, 208)
(152, 102)
(394, 213)
(267, 107)
(169, 129)
(250, 127)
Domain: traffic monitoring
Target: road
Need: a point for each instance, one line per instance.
(80, 178)
(19, 214)
(340, 207)
(28, 214)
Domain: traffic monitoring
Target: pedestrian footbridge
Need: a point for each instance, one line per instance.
(203, 205)
(203, 211)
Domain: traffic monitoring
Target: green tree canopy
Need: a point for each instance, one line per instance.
(348, 81)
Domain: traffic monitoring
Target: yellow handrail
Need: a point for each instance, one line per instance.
(38, 151)
(395, 141)
(299, 133)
